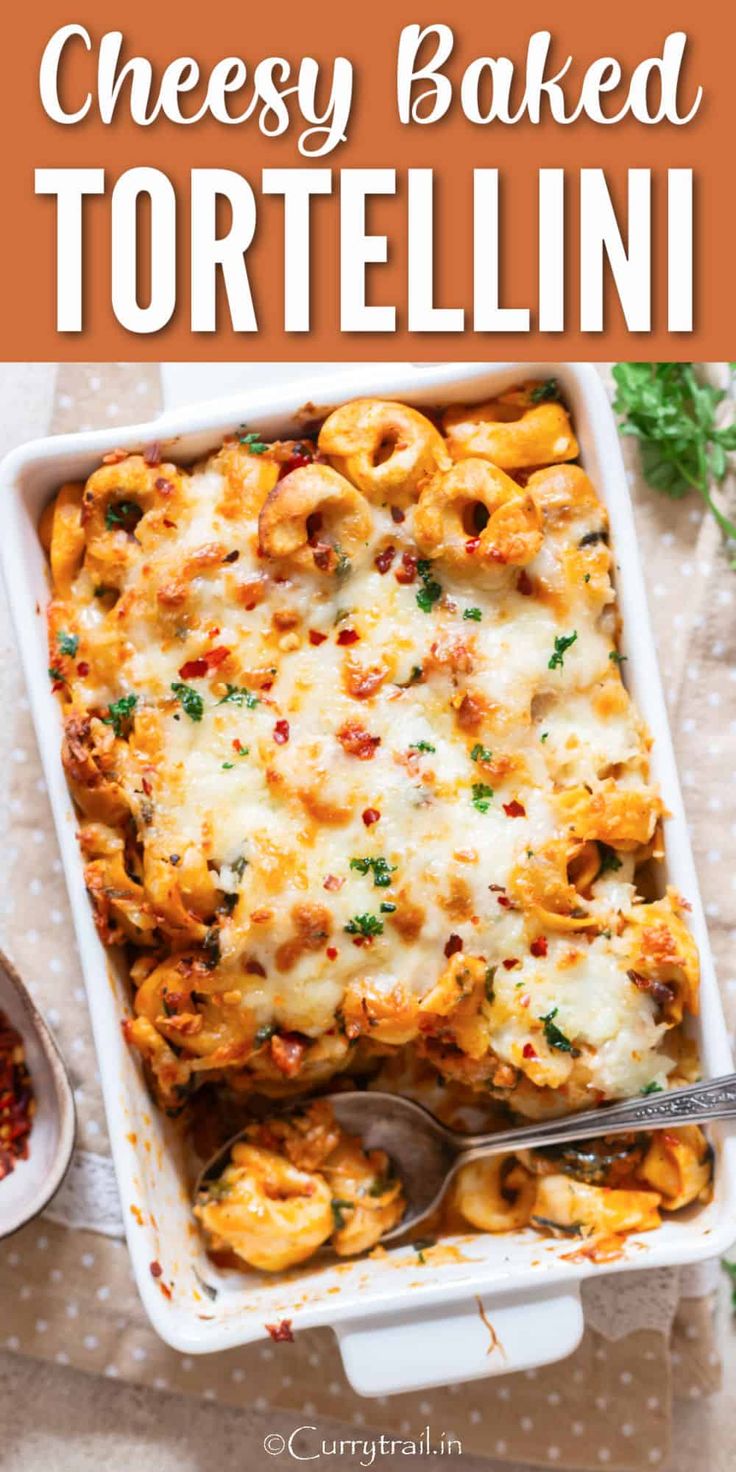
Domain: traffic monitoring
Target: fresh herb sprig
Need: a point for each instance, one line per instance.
(674, 417)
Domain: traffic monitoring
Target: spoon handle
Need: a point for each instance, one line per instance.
(695, 1104)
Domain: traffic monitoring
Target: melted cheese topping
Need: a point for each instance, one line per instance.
(332, 775)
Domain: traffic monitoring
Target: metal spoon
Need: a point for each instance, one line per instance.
(427, 1155)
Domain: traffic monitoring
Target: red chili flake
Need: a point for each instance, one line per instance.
(196, 669)
(314, 525)
(539, 946)
(348, 636)
(172, 526)
(281, 1333)
(287, 1052)
(528, 1051)
(370, 816)
(332, 883)
(147, 788)
(524, 584)
(83, 668)
(17, 1103)
(514, 809)
(332, 953)
(232, 556)
(472, 545)
(315, 637)
(57, 686)
(510, 963)
(156, 1269)
(356, 741)
(237, 744)
(407, 572)
(152, 454)
(324, 556)
(505, 902)
(253, 967)
(294, 462)
(398, 515)
(163, 485)
(454, 945)
(385, 558)
(281, 733)
(659, 990)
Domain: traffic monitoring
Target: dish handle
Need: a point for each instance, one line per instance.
(466, 1341)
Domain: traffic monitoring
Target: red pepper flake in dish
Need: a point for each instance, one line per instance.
(155, 1269)
(524, 584)
(281, 733)
(296, 461)
(196, 669)
(348, 636)
(514, 809)
(539, 946)
(385, 558)
(332, 882)
(454, 945)
(281, 1333)
(528, 1051)
(332, 953)
(83, 668)
(398, 515)
(315, 637)
(356, 741)
(472, 545)
(505, 902)
(370, 816)
(407, 572)
(17, 1104)
(510, 963)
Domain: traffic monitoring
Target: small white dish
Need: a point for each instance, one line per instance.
(30, 1186)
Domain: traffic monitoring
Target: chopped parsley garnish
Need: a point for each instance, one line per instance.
(68, 643)
(343, 565)
(652, 1088)
(544, 393)
(544, 736)
(189, 699)
(238, 695)
(239, 865)
(481, 753)
(56, 674)
(339, 1207)
(119, 713)
(366, 925)
(489, 980)
(124, 514)
(482, 795)
(386, 907)
(430, 591)
(379, 867)
(617, 658)
(264, 1034)
(610, 861)
(420, 1245)
(555, 1038)
(422, 746)
(473, 614)
(563, 642)
(253, 442)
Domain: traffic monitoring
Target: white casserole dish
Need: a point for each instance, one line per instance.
(401, 1325)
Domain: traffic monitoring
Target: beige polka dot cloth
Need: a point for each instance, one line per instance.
(68, 1295)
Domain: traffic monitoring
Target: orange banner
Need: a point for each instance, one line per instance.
(475, 196)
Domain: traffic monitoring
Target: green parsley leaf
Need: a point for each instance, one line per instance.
(253, 443)
(543, 393)
(482, 795)
(555, 1038)
(189, 699)
(56, 674)
(124, 514)
(652, 1088)
(481, 753)
(430, 591)
(617, 658)
(563, 642)
(68, 643)
(386, 907)
(422, 746)
(379, 867)
(610, 861)
(366, 925)
(474, 614)
(674, 417)
(238, 695)
(264, 1034)
(119, 713)
(544, 736)
(339, 1207)
(489, 980)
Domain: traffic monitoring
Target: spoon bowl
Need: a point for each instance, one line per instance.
(426, 1155)
(31, 1184)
